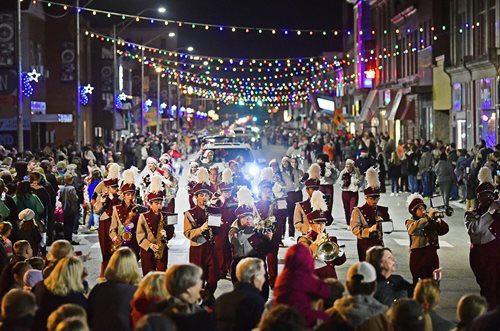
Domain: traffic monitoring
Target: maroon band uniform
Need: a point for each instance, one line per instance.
(362, 219)
(322, 269)
(103, 230)
(121, 215)
(147, 233)
(202, 246)
(424, 244)
(483, 226)
(222, 245)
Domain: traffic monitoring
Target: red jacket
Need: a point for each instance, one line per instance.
(297, 283)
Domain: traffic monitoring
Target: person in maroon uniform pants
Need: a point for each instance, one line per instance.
(105, 202)
(317, 220)
(483, 226)
(125, 217)
(227, 205)
(200, 234)
(266, 210)
(350, 180)
(247, 240)
(303, 208)
(424, 229)
(148, 238)
(366, 221)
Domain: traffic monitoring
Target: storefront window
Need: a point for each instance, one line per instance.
(487, 126)
(457, 97)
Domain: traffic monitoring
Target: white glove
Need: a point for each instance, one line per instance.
(153, 247)
(163, 233)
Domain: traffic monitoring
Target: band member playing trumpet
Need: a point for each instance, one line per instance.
(201, 235)
(265, 212)
(483, 226)
(248, 239)
(125, 217)
(227, 204)
(366, 221)
(153, 232)
(303, 208)
(105, 200)
(319, 243)
(424, 228)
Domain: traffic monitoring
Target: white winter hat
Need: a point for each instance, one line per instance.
(27, 214)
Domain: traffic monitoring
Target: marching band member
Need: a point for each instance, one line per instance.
(227, 205)
(239, 179)
(292, 176)
(193, 168)
(303, 208)
(424, 229)
(350, 180)
(213, 176)
(105, 200)
(483, 226)
(329, 175)
(153, 231)
(125, 217)
(201, 235)
(317, 219)
(171, 185)
(366, 220)
(246, 240)
(265, 210)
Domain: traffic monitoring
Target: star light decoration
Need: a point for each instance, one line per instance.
(33, 76)
(28, 78)
(148, 103)
(163, 106)
(85, 92)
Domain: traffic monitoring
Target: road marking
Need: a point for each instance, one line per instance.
(406, 242)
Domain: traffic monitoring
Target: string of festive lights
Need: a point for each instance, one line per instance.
(248, 29)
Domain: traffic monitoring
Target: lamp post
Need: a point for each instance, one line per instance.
(19, 117)
(179, 129)
(125, 24)
(158, 102)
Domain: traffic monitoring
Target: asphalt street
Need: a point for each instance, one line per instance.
(454, 253)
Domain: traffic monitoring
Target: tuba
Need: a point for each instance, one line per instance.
(328, 250)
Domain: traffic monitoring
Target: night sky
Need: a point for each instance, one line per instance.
(312, 14)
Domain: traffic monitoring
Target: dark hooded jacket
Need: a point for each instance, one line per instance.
(357, 312)
(297, 283)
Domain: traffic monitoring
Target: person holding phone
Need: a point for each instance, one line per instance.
(424, 228)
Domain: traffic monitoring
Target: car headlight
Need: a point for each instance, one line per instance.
(254, 170)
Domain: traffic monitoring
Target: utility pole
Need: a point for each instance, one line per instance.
(115, 71)
(142, 91)
(79, 126)
(19, 117)
(158, 102)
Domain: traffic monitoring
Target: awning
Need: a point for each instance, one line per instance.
(409, 112)
(395, 106)
(366, 113)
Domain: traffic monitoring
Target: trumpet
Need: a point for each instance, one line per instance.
(442, 211)
(328, 250)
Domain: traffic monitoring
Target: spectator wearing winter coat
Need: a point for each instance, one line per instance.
(69, 201)
(445, 177)
(110, 300)
(359, 310)
(24, 199)
(241, 309)
(469, 307)
(151, 291)
(394, 167)
(390, 287)
(425, 166)
(297, 283)
(413, 159)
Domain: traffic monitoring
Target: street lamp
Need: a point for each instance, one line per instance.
(124, 25)
(179, 129)
(158, 102)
